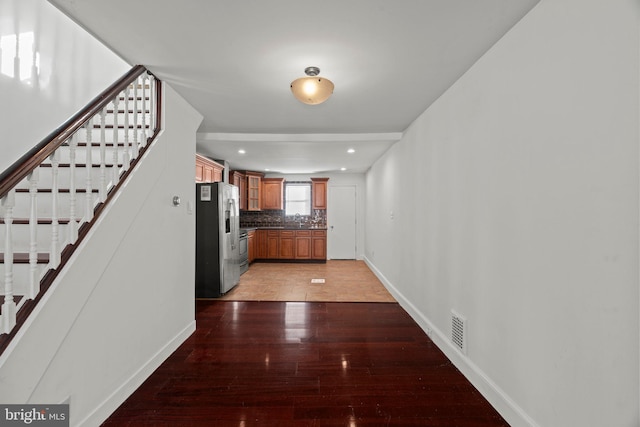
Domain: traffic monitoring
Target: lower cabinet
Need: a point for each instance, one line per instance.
(291, 244)
(273, 244)
(303, 244)
(287, 244)
(319, 244)
(261, 244)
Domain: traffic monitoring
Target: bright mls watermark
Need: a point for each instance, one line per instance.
(34, 415)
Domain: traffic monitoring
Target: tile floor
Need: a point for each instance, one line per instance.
(345, 281)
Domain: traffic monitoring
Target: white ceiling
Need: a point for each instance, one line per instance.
(234, 60)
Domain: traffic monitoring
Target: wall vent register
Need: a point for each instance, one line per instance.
(458, 331)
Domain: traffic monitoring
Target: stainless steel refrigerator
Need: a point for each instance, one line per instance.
(217, 241)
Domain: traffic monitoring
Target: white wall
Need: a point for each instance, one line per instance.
(515, 200)
(73, 68)
(126, 300)
(356, 180)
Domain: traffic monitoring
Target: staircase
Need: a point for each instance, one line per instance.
(51, 196)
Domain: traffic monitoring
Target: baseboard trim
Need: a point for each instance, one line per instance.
(112, 402)
(497, 397)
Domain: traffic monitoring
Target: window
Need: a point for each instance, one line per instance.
(297, 198)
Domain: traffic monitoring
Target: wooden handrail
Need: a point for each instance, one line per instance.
(34, 157)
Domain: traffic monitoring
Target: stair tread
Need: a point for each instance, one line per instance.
(131, 126)
(131, 98)
(80, 165)
(23, 258)
(60, 190)
(45, 221)
(97, 144)
(121, 111)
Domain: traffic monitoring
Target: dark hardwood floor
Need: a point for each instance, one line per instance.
(306, 364)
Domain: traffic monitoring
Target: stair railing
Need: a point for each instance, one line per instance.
(124, 118)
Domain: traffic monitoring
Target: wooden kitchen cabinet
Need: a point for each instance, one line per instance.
(208, 170)
(261, 244)
(319, 193)
(287, 244)
(273, 244)
(272, 193)
(319, 244)
(254, 191)
(218, 171)
(303, 244)
(294, 245)
(240, 180)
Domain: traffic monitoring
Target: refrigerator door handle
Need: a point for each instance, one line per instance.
(234, 231)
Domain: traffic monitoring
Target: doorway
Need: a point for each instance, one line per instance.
(341, 222)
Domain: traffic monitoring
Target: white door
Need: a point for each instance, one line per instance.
(341, 222)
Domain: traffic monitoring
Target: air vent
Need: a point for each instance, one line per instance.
(458, 331)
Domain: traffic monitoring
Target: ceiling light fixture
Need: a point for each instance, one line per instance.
(313, 89)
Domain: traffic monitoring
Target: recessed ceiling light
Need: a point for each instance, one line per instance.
(343, 169)
(351, 151)
(241, 151)
(267, 169)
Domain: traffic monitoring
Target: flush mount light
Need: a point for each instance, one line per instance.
(241, 151)
(351, 151)
(313, 89)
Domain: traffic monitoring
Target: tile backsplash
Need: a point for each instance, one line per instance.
(277, 218)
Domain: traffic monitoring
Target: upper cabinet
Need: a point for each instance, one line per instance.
(319, 193)
(207, 170)
(272, 193)
(239, 179)
(254, 190)
(257, 192)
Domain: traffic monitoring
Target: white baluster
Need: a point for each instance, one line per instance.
(54, 257)
(135, 118)
(9, 305)
(116, 169)
(152, 104)
(34, 281)
(89, 162)
(127, 158)
(103, 155)
(143, 131)
(73, 224)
